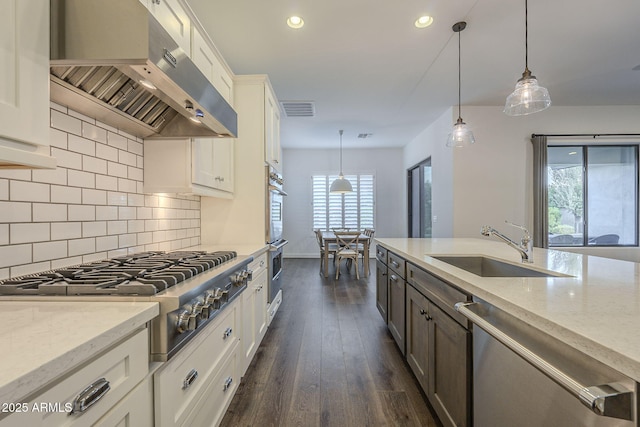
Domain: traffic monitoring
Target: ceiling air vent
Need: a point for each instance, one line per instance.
(365, 135)
(298, 108)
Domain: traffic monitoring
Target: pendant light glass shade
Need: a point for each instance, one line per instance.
(528, 97)
(461, 135)
(341, 185)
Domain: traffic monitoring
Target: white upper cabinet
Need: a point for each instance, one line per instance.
(173, 18)
(272, 129)
(24, 84)
(206, 60)
(202, 166)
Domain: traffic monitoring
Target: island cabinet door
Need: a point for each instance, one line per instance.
(382, 289)
(449, 369)
(396, 313)
(417, 338)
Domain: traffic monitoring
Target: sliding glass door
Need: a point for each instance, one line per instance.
(419, 188)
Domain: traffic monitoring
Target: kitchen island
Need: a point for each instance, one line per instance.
(594, 307)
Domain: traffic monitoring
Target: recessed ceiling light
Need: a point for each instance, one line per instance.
(295, 22)
(424, 21)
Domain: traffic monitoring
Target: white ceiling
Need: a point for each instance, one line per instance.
(369, 70)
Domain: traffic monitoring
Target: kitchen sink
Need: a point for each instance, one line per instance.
(490, 267)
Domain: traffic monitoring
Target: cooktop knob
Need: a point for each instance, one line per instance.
(186, 322)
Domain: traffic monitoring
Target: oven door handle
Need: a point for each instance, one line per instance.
(277, 190)
(274, 247)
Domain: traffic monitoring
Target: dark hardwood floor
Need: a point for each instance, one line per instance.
(328, 360)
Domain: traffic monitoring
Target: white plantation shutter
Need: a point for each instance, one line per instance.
(351, 210)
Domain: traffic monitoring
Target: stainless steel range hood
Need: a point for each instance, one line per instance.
(112, 60)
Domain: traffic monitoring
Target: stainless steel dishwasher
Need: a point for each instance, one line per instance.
(525, 378)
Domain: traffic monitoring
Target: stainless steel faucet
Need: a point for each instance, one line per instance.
(525, 247)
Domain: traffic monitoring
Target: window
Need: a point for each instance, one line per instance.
(592, 195)
(350, 210)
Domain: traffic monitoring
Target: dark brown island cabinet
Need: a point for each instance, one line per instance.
(434, 338)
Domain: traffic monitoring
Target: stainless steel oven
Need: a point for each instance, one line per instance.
(274, 213)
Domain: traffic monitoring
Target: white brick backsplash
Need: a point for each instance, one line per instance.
(82, 116)
(117, 141)
(82, 246)
(58, 138)
(81, 179)
(60, 194)
(82, 213)
(106, 243)
(93, 229)
(127, 135)
(4, 234)
(29, 232)
(117, 199)
(94, 197)
(126, 212)
(81, 145)
(50, 176)
(126, 240)
(23, 191)
(15, 255)
(107, 153)
(116, 169)
(65, 123)
(135, 199)
(67, 159)
(92, 164)
(126, 185)
(94, 132)
(135, 226)
(49, 212)
(116, 227)
(15, 212)
(135, 173)
(22, 270)
(104, 182)
(90, 207)
(65, 230)
(4, 189)
(105, 213)
(126, 158)
(49, 250)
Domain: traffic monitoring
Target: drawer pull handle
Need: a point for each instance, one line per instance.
(90, 395)
(395, 264)
(394, 277)
(227, 333)
(227, 384)
(189, 379)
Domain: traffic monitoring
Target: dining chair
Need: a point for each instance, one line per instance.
(347, 242)
(321, 243)
(369, 232)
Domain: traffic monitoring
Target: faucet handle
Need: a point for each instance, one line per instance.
(521, 227)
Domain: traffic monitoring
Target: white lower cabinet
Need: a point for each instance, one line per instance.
(135, 410)
(197, 384)
(103, 384)
(254, 310)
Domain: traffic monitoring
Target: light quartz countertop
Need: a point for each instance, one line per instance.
(595, 308)
(246, 249)
(41, 340)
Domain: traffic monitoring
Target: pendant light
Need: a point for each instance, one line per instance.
(341, 185)
(461, 135)
(528, 97)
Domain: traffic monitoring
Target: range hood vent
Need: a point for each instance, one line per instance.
(113, 61)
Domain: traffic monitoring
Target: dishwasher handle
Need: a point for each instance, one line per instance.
(609, 400)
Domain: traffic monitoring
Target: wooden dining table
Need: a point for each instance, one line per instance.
(329, 237)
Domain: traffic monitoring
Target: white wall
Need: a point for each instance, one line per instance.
(492, 180)
(300, 165)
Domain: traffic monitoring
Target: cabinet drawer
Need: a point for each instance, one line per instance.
(258, 265)
(136, 409)
(218, 393)
(440, 292)
(397, 264)
(381, 254)
(123, 367)
(182, 380)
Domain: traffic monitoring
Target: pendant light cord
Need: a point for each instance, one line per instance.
(459, 79)
(526, 36)
(341, 174)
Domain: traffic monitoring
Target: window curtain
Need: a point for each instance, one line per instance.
(540, 200)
